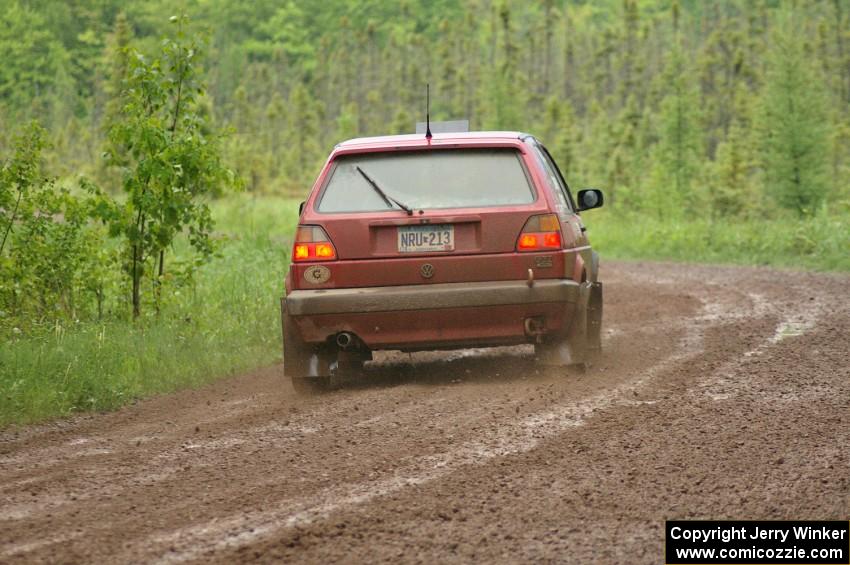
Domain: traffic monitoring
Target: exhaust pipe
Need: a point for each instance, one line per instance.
(535, 327)
(344, 340)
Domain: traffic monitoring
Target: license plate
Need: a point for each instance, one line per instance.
(426, 238)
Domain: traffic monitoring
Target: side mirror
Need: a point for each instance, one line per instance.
(590, 198)
(301, 207)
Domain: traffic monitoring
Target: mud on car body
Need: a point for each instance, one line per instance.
(412, 243)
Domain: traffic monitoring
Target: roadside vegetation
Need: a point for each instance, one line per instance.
(226, 321)
(150, 167)
(820, 242)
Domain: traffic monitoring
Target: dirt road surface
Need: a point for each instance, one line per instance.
(722, 393)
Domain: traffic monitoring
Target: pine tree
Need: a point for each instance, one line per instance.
(594, 150)
(35, 71)
(734, 191)
(117, 63)
(446, 85)
(569, 55)
(469, 76)
(794, 124)
(730, 193)
(625, 166)
(245, 151)
(402, 122)
(628, 52)
(274, 125)
(842, 53)
(504, 102)
(558, 132)
(302, 133)
(548, 34)
(678, 153)
(346, 122)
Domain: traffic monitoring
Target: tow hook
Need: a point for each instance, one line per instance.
(530, 281)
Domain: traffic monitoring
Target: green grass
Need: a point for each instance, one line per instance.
(229, 323)
(819, 243)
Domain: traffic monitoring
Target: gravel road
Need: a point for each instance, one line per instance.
(722, 393)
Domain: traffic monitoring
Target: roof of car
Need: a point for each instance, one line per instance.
(472, 137)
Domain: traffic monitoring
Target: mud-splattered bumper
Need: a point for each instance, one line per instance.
(420, 316)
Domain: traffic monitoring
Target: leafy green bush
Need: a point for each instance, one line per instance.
(227, 320)
(54, 260)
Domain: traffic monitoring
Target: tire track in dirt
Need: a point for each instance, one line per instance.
(241, 465)
(512, 438)
(724, 481)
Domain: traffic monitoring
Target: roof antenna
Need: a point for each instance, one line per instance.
(428, 135)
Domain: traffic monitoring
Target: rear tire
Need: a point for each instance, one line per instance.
(594, 320)
(569, 349)
(296, 353)
(305, 365)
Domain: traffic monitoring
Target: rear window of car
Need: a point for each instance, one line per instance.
(456, 178)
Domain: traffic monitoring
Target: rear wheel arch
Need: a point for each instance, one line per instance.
(579, 267)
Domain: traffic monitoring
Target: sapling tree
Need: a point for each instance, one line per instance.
(170, 158)
(16, 178)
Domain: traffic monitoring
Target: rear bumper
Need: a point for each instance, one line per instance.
(429, 297)
(434, 315)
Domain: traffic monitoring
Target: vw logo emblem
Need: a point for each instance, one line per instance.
(426, 270)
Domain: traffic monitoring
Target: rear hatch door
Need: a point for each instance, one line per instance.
(465, 210)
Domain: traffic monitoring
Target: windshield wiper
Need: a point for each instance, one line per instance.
(387, 198)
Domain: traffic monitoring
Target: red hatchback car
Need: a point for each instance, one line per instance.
(458, 240)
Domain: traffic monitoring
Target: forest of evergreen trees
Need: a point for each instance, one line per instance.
(674, 107)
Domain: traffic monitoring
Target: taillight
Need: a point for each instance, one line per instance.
(312, 244)
(540, 233)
